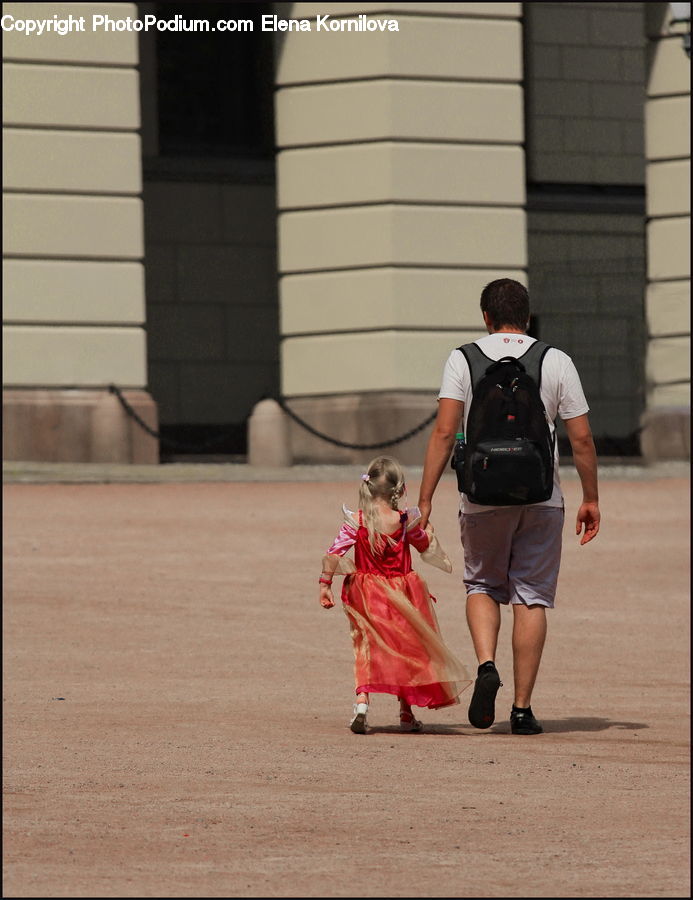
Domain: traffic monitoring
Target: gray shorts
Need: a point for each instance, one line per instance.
(513, 553)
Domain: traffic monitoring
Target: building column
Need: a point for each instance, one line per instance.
(666, 421)
(401, 191)
(73, 244)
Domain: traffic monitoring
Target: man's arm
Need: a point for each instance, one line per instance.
(585, 459)
(438, 452)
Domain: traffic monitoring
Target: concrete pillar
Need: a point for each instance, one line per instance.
(268, 435)
(73, 281)
(400, 183)
(666, 421)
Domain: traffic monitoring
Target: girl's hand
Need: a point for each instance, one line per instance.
(326, 600)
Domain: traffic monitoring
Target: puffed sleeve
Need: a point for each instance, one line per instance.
(334, 560)
(415, 534)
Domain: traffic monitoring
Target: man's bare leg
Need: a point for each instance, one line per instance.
(483, 619)
(529, 634)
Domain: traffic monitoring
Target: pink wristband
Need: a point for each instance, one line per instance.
(322, 580)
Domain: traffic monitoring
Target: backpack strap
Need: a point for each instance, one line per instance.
(478, 362)
(532, 360)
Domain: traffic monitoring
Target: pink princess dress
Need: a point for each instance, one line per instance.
(398, 648)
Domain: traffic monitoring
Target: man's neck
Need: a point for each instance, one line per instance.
(506, 330)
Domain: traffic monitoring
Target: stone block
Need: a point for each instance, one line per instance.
(63, 356)
(557, 23)
(547, 135)
(669, 248)
(73, 292)
(252, 334)
(593, 136)
(185, 333)
(335, 364)
(543, 61)
(71, 97)
(668, 360)
(183, 212)
(669, 188)
(618, 101)
(399, 109)
(249, 214)
(561, 98)
(488, 49)
(617, 27)
(633, 65)
(621, 169)
(571, 168)
(590, 64)
(52, 226)
(669, 68)
(670, 395)
(667, 128)
(668, 307)
(389, 172)
(397, 235)
(666, 432)
(98, 47)
(78, 426)
(387, 298)
(227, 275)
(71, 161)
(633, 138)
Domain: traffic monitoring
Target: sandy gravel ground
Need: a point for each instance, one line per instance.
(176, 703)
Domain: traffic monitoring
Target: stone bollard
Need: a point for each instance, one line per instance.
(268, 435)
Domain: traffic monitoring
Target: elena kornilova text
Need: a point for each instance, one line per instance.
(105, 23)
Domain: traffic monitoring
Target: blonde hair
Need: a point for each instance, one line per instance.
(383, 480)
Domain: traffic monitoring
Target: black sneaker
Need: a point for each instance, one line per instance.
(522, 721)
(482, 709)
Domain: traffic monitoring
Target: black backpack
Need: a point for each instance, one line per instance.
(509, 451)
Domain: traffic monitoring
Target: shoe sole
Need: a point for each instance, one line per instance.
(482, 709)
(358, 726)
(538, 730)
(411, 729)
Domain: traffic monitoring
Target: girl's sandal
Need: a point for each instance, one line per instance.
(358, 724)
(407, 722)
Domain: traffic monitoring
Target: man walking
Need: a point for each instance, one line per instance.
(512, 552)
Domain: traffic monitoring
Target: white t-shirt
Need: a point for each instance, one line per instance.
(561, 391)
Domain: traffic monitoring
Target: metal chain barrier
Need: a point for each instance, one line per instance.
(166, 442)
(348, 446)
(176, 445)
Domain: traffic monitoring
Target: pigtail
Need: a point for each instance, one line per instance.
(371, 519)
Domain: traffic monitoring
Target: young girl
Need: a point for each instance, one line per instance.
(398, 647)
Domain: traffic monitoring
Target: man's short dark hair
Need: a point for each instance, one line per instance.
(506, 302)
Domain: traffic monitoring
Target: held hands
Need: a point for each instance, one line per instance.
(326, 599)
(425, 510)
(588, 516)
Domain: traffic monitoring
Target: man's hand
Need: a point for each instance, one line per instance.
(438, 451)
(589, 517)
(425, 507)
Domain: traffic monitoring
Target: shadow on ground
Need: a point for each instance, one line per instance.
(551, 726)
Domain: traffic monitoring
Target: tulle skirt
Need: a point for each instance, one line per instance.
(398, 648)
